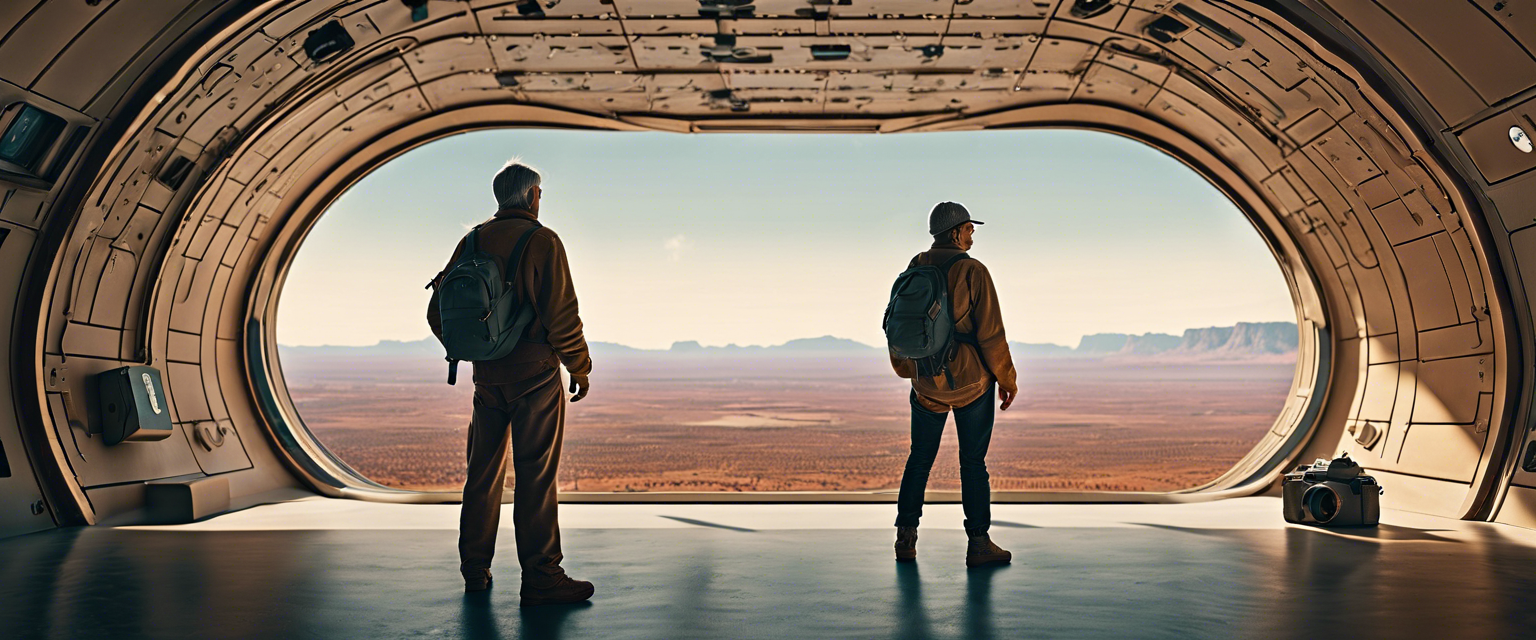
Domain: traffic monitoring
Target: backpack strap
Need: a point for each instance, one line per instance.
(950, 263)
(968, 338)
(472, 241)
(517, 251)
(515, 260)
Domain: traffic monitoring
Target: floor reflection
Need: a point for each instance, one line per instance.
(911, 613)
(979, 622)
(706, 582)
(547, 621)
(478, 620)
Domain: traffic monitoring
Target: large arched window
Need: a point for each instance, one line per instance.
(732, 287)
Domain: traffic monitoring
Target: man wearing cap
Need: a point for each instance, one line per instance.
(981, 359)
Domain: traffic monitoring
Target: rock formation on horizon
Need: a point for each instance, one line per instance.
(1243, 341)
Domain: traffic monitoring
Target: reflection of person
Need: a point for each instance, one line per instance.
(981, 358)
(519, 399)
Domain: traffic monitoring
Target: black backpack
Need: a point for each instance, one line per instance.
(919, 322)
(481, 320)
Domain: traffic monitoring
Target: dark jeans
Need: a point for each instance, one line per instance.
(973, 423)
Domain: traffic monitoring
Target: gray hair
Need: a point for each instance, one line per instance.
(513, 183)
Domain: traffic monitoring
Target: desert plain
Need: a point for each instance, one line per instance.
(812, 421)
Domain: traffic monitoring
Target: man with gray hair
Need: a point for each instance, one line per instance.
(519, 399)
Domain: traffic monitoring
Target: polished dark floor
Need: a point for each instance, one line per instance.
(701, 578)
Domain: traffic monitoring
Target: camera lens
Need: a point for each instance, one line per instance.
(1321, 502)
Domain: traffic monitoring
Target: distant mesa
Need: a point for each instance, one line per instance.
(692, 347)
(423, 347)
(824, 343)
(430, 347)
(1040, 350)
(802, 345)
(1243, 341)
(687, 346)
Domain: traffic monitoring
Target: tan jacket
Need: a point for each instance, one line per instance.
(973, 300)
(543, 278)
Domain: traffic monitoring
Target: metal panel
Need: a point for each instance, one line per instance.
(1382, 349)
(1518, 20)
(100, 52)
(1434, 304)
(1513, 198)
(183, 347)
(12, 12)
(1397, 286)
(1004, 8)
(1523, 245)
(87, 340)
(1289, 200)
(1492, 151)
(192, 295)
(1349, 318)
(1481, 52)
(217, 446)
(1375, 301)
(33, 44)
(1442, 87)
(1453, 341)
(114, 286)
(1448, 389)
(94, 462)
(1449, 451)
(185, 383)
(1459, 279)
(562, 53)
(1380, 392)
(22, 509)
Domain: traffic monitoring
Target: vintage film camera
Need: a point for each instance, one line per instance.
(1331, 493)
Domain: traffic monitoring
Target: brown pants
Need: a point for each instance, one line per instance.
(531, 415)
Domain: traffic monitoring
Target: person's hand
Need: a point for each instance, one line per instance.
(579, 386)
(1008, 396)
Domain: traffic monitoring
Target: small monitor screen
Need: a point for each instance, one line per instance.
(28, 138)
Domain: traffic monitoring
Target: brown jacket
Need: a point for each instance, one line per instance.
(543, 278)
(973, 300)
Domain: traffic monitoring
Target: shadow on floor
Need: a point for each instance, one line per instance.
(713, 525)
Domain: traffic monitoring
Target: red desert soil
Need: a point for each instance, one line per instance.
(809, 423)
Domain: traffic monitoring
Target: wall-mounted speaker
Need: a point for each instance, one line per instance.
(133, 405)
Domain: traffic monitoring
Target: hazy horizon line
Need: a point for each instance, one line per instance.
(381, 341)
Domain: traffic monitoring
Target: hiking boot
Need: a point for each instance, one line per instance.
(564, 590)
(476, 579)
(906, 544)
(982, 552)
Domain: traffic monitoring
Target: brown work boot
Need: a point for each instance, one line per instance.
(906, 544)
(476, 579)
(563, 590)
(982, 552)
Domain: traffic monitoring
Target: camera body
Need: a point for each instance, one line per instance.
(1331, 493)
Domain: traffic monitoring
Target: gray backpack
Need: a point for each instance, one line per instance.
(481, 317)
(919, 322)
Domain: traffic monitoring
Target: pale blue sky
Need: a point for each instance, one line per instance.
(763, 238)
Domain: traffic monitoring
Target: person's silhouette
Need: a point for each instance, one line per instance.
(519, 399)
(964, 378)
